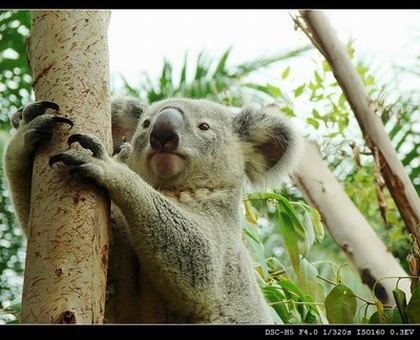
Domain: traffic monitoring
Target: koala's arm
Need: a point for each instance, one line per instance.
(174, 247)
(34, 125)
(18, 171)
(164, 236)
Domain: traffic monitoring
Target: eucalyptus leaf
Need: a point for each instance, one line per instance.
(388, 315)
(299, 90)
(285, 73)
(401, 302)
(290, 239)
(341, 305)
(413, 308)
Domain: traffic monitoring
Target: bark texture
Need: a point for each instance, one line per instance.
(347, 225)
(402, 190)
(66, 263)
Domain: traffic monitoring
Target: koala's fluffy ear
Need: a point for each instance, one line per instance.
(270, 144)
(126, 113)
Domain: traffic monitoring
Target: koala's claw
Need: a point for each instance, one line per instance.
(48, 105)
(41, 129)
(36, 109)
(80, 164)
(66, 159)
(89, 142)
(62, 119)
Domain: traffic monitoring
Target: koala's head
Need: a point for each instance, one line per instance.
(188, 144)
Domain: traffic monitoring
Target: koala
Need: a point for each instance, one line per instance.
(177, 254)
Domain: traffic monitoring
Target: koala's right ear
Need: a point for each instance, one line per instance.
(126, 113)
(269, 142)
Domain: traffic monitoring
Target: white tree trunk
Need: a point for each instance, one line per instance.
(347, 225)
(66, 263)
(396, 178)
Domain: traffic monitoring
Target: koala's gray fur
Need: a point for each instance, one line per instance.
(177, 253)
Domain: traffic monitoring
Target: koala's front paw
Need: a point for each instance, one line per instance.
(84, 164)
(35, 123)
(122, 152)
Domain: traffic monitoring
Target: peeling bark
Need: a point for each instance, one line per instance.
(66, 263)
(320, 31)
(347, 226)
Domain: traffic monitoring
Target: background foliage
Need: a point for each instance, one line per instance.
(303, 273)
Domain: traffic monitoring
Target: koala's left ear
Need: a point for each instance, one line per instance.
(270, 144)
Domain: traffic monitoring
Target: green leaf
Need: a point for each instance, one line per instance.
(283, 206)
(316, 221)
(285, 73)
(221, 67)
(318, 79)
(276, 296)
(274, 91)
(361, 70)
(276, 316)
(309, 230)
(316, 114)
(289, 286)
(308, 282)
(341, 100)
(370, 81)
(326, 66)
(299, 90)
(313, 122)
(183, 77)
(286, 229)
(257, 249)
(14, 308)
(350, 50)
(413, 308)
(401, 301)
(288, 111)
(387, 316)
(341, 305)
(410, 156)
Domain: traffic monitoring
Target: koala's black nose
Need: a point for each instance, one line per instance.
(165, 131)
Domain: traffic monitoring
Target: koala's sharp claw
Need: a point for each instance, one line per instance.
(66, 159)
(36, 109)
(61, 119)
(88, 142)
(73, 139)
(49, 105)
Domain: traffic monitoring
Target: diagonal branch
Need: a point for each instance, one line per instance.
(402, 190)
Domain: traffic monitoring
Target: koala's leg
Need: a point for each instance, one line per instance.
(173, 247)
(35, 124)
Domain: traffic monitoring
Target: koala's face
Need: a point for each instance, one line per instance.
(182, 143)
(187, 144)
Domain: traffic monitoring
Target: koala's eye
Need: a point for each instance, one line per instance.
(204, 126)
(146, 123)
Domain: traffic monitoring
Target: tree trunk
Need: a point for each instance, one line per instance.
(402, 190)
(66, 263)
(347, 225)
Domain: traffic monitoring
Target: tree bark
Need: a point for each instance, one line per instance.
(347, 225)
(402, 190)
(66, 263)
